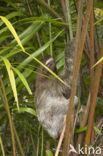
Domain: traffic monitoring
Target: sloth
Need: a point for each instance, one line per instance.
(52, 96)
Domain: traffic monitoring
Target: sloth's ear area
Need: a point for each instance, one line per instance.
(66, 94)
(50, 63)
(47, 59)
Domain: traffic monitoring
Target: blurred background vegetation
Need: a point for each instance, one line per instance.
(40, 26)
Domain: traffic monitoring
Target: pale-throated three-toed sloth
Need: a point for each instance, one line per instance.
(51, 96)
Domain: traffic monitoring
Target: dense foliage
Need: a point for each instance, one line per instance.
(42, 31)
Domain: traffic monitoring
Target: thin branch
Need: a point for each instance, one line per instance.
(61, 138)
(9, 116)
(63, 9)
(18, 140)
(92, 56)
(93, 99)
(70, 115)
(52, 11)
(29, 8)
(92, 49)
(84, 121)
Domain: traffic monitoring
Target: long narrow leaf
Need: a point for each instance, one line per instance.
(99, 61)
(2, 147)
(26, 109)
(29, 32)
(9, 25)
(39, 51)
(56, 76)
(22, 79)
(97, 130)
(11, 78)
(12, 14)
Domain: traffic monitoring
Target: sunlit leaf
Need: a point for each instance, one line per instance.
(100, 60)
(99, 21)
(12, 14)
(49, 153)
(39, 51)
(11, 78)
(28, 33)
(2, 147)
(10, 27)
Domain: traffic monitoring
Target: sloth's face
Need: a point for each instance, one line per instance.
(50, 63)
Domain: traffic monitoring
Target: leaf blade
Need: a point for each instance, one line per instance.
(22, 78)
(26, 109)
(11, 28)
(11, 78)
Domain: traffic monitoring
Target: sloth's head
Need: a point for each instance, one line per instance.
(50, 63)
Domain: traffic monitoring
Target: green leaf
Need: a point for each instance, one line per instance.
(98, 21)
(11, 78)
(56, 76)
(45, 19)
(99, 61)
(22, 79)
(29, 32)
(49, 153)
(26, 109)
(2, 146)
(10, 27)
(98, 4)
(85, 128)
(81, 129)
(39, 51)
(97, 130)
(12, 14)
